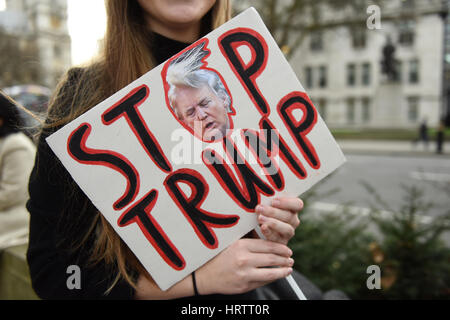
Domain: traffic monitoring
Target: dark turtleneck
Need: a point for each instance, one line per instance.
(164, 48)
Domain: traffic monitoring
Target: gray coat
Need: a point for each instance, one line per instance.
(17, 154)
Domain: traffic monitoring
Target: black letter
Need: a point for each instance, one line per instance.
(300, 128)
(140, 214)
(80, 152)
(127, 107)
(247, 74)
(265, 159)
(201, 220)
(248, 196)
(285, 152)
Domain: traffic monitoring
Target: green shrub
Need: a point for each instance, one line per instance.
(332, 249)
(415, 256)
(335, 249)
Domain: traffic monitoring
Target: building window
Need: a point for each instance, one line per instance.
(366, 74)
(55, 21)
(365, 110)
(351, 74)
(414, 71)
(309, 77)
(413, 109)
(398, 71)
(316, 41)
(359, 37)
(322, 76)
(408, 4)
(406, 33)
(350, 114)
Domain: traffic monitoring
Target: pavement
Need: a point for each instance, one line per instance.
(392, 147)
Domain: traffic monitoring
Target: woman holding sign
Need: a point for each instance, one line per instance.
(66, 229)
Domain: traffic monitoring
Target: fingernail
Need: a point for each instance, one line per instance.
(259, 209)
(262, 218)
(265, 229)
(290, 261)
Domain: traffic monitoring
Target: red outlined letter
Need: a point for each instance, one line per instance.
(127, 107)
(262, 147)
(300, 128)
(247, 196)
(77, 149)
(201, 220)
(285, 152)
(140, 213)
(247, 73)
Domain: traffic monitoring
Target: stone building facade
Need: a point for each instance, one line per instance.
(339, 63)
(342, 70)
(43, 23)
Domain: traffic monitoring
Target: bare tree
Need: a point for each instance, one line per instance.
(290, 21)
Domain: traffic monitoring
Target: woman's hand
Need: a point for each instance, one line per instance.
(243, 267)
(279, 220)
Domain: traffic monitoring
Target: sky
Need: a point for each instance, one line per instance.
(86, 27)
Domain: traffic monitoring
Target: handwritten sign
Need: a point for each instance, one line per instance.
(178, 160)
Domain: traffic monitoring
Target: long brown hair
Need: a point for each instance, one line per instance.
(124, 58)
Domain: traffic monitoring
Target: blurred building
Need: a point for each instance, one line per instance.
(446, 78)
(339, 60)
(341, 68)
(44, 24)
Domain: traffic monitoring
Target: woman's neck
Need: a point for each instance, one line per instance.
(187, 34)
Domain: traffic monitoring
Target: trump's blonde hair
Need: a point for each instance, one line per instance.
(186, 70)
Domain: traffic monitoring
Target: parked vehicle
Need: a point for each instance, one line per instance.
(35, 99)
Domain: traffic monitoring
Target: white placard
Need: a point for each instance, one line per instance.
(155, 160)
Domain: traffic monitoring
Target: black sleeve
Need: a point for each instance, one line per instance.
(60, 215)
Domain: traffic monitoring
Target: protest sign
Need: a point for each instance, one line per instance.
(177, 160)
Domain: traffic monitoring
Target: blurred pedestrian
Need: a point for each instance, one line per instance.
(423, 134)
(16, 161)
(440, 137)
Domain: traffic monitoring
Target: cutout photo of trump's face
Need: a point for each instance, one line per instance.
(198, 96)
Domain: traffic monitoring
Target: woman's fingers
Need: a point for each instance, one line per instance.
(273, 212)
(271, 226)
(279, 220)
(244, 265)
(279, 214)
(265, 246)
(269, 261)
(288, 203)
(262, 276)
(263, 260)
